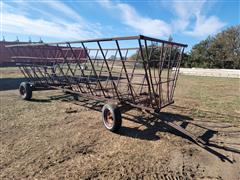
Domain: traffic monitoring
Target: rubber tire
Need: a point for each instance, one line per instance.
(28, 91)
(116, 115)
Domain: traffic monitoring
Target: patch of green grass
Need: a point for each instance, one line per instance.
(220, 95)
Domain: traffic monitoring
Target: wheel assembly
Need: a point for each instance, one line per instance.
(25, 91)
(112, 118)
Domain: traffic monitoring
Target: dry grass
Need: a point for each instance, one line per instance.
(42, 139)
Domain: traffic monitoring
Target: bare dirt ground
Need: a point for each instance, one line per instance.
(54, 137)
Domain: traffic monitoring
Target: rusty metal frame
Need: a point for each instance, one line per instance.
(114, 80)
(56, 71)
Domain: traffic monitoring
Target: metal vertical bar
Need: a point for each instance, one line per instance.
(36, 55)
(177, 73)
(102, 62)
(69, 68)
(169, 61)
(138, 88)
(173, 64)
(134, 67)
(85, 63)
(76, 58)
(42, 75)
(22, 71)
(141, 86)
(51, 64)
(94, 69)
(120, 74)
(149, 69)
(95, 59)
(154, 71)
(164, 60)
(130, 79)
(46, 72)
(61, 71)
(125, 70)
(36, 76)
(27, 72)
(42, 53)
(45, 67)
(65, 56)
(65, 60)
(87, 83)
(145, 68)
(107, 81)
(55, 64)
(160, 75)
(112, 65)
(14, 51)
(110, 73)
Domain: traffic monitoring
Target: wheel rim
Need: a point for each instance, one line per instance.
(108, 118)
(22, 90)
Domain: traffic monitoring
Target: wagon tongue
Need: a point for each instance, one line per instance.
(196, 139)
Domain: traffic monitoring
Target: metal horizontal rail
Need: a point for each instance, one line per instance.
(86, 95)
(42, 58)
(74, 42)
(162, 41)
(100, 40)
(113, 49)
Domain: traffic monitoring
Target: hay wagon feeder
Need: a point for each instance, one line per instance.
(134, 72)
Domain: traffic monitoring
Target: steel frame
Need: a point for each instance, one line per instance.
(110, 74)
(59, 65)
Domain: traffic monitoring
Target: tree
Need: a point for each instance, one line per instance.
(226, 46)
(200, 56)
(220, 51)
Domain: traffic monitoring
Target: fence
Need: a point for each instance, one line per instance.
(230, 73)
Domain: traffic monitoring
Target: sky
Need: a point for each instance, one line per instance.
(187, 22)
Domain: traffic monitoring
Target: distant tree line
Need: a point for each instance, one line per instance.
(219, 51)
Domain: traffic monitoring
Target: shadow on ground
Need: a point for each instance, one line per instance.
(152, 125)
(13, 83)
(10, 83)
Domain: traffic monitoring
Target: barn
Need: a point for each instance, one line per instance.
(37, 55)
